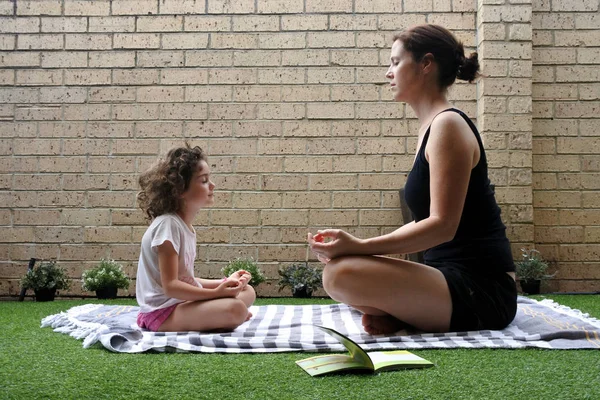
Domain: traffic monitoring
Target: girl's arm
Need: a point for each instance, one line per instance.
(451, 149)
(173, 287)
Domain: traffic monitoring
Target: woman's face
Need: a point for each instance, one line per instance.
(403, 73)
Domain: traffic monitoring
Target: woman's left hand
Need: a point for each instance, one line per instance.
(341, 244)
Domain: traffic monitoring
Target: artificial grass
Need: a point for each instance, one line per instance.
(38, 363)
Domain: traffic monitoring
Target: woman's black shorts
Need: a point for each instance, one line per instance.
(479, 300)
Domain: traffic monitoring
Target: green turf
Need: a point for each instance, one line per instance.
(37, 363)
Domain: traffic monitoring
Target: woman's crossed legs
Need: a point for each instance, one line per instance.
(390, 292)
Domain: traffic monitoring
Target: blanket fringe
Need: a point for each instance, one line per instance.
(65, 322)
(573, 312)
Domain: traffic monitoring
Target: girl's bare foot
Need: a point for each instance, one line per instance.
(382, 324)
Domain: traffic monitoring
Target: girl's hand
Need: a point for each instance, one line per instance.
(242, 276)
(341, 244)
(228, 288)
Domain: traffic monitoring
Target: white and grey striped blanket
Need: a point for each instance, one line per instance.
(277, 328)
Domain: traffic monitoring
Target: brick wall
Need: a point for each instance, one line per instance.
(287, 99)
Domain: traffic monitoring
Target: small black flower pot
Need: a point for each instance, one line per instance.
(107, 293)
(45, 294)
(531, 286)
(302, 292)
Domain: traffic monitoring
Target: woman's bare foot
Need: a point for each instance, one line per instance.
(248, 316)
(382, 324)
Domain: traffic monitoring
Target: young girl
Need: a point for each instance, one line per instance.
(170, 298)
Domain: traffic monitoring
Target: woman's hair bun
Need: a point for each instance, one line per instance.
(468, 68)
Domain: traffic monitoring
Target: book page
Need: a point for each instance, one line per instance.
(320, 365)
(356, 352)
(397, 360)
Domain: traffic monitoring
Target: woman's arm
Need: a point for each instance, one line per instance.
(452, 152)
(168, 263)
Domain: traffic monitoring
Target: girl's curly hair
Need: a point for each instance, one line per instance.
(163, 184)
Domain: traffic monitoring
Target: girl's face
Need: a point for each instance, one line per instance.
(403, 73)
(200, 193)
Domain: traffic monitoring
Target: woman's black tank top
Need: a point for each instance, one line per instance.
(480, 243)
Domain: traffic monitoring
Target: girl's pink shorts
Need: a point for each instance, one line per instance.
(154, 319)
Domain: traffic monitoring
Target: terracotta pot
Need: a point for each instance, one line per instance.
(107, 293)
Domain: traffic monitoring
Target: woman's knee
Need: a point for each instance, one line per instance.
(339, 276)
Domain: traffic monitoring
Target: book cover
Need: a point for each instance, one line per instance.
(359, 360)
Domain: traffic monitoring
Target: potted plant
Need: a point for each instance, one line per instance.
(105, 279)
(45, 280)
(531, 270)
(303, 279)
(247, 264)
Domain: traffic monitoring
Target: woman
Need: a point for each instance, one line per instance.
(468, 280)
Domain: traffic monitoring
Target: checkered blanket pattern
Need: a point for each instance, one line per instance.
(283, 328)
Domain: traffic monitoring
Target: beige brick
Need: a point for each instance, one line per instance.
(282, 253)
(184, 40)
(170, 23)
(208, 93)
(305, 93)
(235, 146)
(257, 200)
(304, 22)
(381, 217)
(85, 217)
(555, 127)
(357, 200)
(138, 7)
(160, 94)
(183, 76)
(113, 94)
(94, 41)
(88, 77)
(207, 23)
(542, 38)
(18, 234)
(236, 182)
(333, 182)
(183, 111)
(574, 5)
(330, 75)
(229, 7)
(111, 24)
(305, 57)
(81, 7)
(587, 21)
(311, 199)
(592, 234)
(85, 182)
(587, 109)
(577, 38)
(136, 41)
(33, 113)
(506, 13)
(115, 199)
(378, 111)
(249, 235)
(63, 95)
(554, 56)
(543, 146)
(61, 164)
(394, 22)
(327, 218)
(589, 92)
(128, 217)
(64, 60)
(279, 7)
(150, 59)
(500, 50)
(158, 129)
(36, 217)
(378, 6)
(398, 163)
(38, 77)
(330, 39)
(554, 92)
(281, 76)
(543, 74)
(234, 217)
(380, 146)
(281, 111)
(306, 128)
(234, 41)
(8, 42)
(39, 7)
(111, 164)
(284, 183)
(209, 58)
(561, 199)
(381, 181)
(262, 164)
(577, 73)
(39, 42)
(354, 57)
(232, 111)
(579, 252)
(578, 145)
(110, 59)
(20, 25)
(282, 146)
(370, 75)
(58, 234)
(251, 58)
(590, 199)
(261, 23)
(505, 123)
(282, 40)
(230, 76)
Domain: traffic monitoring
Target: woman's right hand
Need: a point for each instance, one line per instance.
(341, 244)
(228, 288)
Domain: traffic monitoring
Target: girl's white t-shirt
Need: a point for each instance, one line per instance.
(148, 289)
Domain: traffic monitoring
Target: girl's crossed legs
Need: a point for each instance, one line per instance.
(224, 314)
(390, 292)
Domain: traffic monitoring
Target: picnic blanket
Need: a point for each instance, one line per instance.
(280, 328)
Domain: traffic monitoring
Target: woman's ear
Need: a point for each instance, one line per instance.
(427, 63)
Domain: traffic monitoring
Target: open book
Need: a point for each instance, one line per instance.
(359, 360)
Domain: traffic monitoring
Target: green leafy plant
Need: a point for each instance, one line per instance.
(532, 266)
(303, 279)
(108, 274)
(47, 276)
(247, 264)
